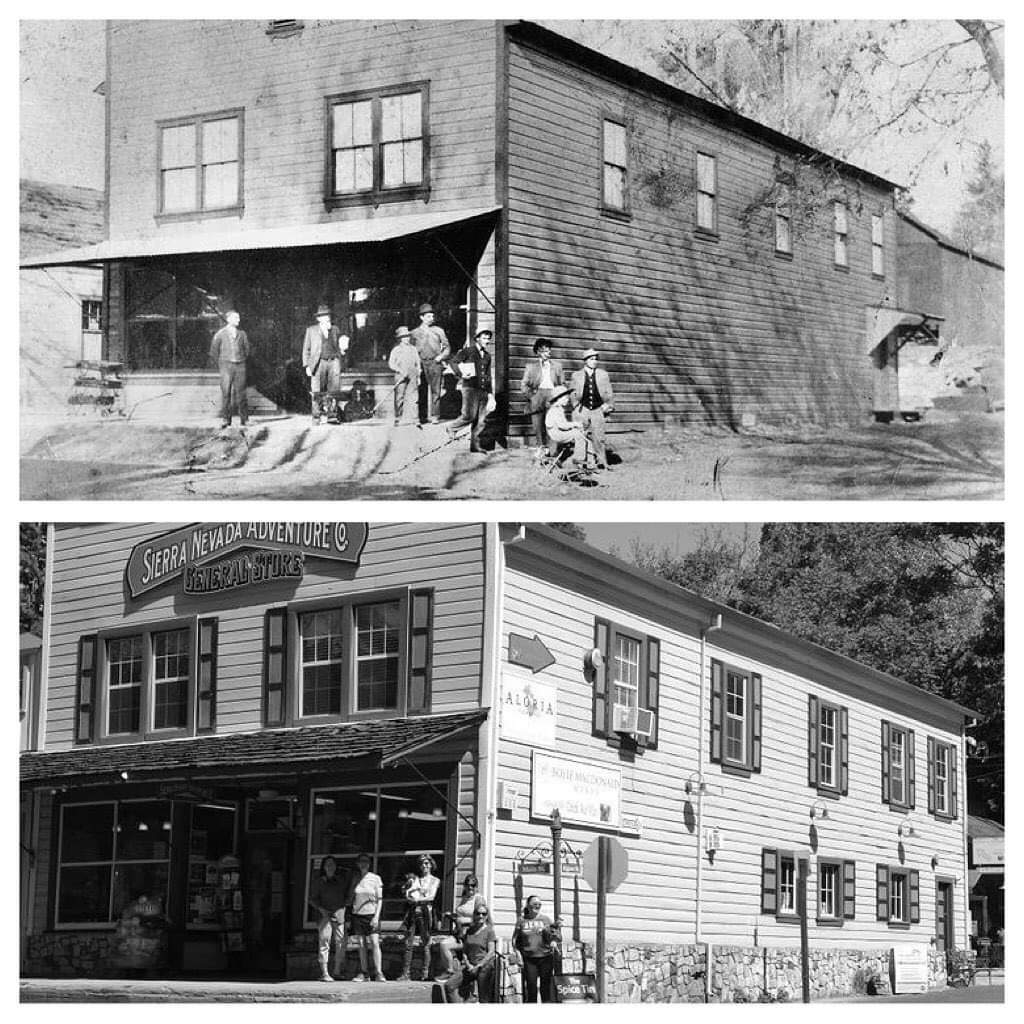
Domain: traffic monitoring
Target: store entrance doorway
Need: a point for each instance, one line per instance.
(266, 878)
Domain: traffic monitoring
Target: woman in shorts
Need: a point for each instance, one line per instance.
(367, 898)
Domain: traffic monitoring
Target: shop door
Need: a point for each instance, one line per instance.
(944, 917)
(886, 360)
(265, 879)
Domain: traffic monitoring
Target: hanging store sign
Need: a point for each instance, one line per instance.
(585, 794)
(163, 559)
(529, 710)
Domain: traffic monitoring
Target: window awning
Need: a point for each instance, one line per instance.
(883, 320)
(370, 744)
(378, 228)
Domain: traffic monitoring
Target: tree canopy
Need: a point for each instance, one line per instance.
(31, 576)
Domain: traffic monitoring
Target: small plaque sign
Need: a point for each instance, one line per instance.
(909, 969)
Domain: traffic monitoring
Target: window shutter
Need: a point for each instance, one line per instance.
(931, 774)
(885, 763)
(717, 703)
(769, 881)
(953, 754)
(206, 689)
(882, 891)
(844, 751)
(650, 700)
(849, 889)
(275, 667)
(755, 722)
(421, 620)
(599, 725)
(911, 772)
(915, 896)
(812, 740)
(86, 696)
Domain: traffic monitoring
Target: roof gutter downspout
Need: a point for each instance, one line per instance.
(715, 624)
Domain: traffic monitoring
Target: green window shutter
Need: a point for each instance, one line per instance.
(769, 881)
(85, 698)
(755, 722)
(849, 889)
(882, 891)
(601, 704)
(275, 666)
(911, 771)
(651, 694)
(953, 754)
(717, 704)
(844, 751)
(812, 740)
(885, 763)
(206, 688)
(915, 896)
(931, 775)
(421, 606)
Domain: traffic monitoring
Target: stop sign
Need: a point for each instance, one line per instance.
(616, 868)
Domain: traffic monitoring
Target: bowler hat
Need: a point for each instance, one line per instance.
(484, 330)
(402, 332)
(590, 352)
(426, 308)
(539, 343)
(323, 309)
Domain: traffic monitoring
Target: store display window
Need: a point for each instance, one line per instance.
(214, 892)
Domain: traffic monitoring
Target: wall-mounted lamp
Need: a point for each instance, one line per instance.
(124, 776)
(143, 827)
(935, 861)
(166, 826)
(695, 784)
(905, 829)
(819, 810)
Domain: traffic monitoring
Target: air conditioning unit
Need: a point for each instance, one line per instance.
(645, 722)
(623, 718)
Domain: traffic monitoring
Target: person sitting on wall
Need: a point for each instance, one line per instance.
(534, 940)
(594, 396)
(367, 899)
(542, 377)
(328, 897)
(460, 920)
(420, 893)
(563, 429)
(479, 953)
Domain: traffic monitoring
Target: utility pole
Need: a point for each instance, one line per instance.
(801, 906)
(556, 857)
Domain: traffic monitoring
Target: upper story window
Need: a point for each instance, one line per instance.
(378, 146)
(827, 747)
(898, 770)
(148, 684)
(878, 246)
(625, 680)
(942, 779)
(357, 659)
(898, 895)
(707, 193)
(784, 218)
(615, 167)
(735, 718)
(840, 230)
(200, 160)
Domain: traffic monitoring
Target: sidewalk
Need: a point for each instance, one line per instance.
(78, 990)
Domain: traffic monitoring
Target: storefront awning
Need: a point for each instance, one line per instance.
(378, 228)
(883, 320)
(371, 743)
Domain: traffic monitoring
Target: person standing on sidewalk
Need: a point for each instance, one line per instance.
(229, 350)
(321, 356)
(328, 898)
(474, 362)
(405, 363)
(419, 915)
(534, 939)
(367, 900)
(594, 396)
(432, 345)
(542, 377)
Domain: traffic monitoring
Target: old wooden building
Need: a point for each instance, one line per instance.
(225, 704)
(509, 176)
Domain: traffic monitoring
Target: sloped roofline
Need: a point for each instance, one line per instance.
(531, 31)
(946, 242)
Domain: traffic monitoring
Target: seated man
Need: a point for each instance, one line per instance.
(562, 429)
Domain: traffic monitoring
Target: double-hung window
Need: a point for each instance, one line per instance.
(827, 747)
(829, 890)
(779, 883)
(626, 660)
(942, 779)
(615, 167)
(787, 884)
(92, 330)
(626, 679)
(784, 219)
(836, 887)
(840, 230)
(200, 164)
(378, 146)
(898, 895)
(877, 246)
(735, 718)
(898, 768)
(707, 193)
(322, 662)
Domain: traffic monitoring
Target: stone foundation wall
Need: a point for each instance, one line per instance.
(86, 955)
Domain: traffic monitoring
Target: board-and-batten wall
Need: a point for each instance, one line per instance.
(282, 83)
(768, 809)
(687, 325)
(89, 596)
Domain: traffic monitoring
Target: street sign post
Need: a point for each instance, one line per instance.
(605, 866)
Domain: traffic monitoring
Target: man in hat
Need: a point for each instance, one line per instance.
(229, 350)
(434, 351)
(541, 378)
(592, 390)
(405, 361)
(563, 429)
(323, 348)
(474, 362)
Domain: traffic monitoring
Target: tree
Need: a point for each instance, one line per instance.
(980, 223)
(32, 575)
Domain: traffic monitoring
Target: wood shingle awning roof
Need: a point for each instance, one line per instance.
(373, 743)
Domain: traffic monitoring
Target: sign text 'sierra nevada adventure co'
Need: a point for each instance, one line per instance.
(269, 551)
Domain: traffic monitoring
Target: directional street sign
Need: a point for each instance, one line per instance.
(529, 652)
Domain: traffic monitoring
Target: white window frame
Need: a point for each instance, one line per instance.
(895, 732)
(899, 896)
(877, 245)
(784, 219)
(840, 233)
(395, 657)
(787, 884)
(200, 164)
(707, 189)
(828, 750)
(610, 163)
(624, 690)
(829, 886)
(942, 774)
(156, 681)
(732, 718)
(340, 661)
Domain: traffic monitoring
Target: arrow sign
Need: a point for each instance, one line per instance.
(530, 653)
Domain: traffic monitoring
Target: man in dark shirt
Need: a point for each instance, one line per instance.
(322, 350)
(432, 345)
(229, 350)
(474, 362)
(593, 390)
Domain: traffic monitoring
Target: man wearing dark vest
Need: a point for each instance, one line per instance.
(593, 391)
(229, 350)
(322, 351)
(541, 378)
(474, 363)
